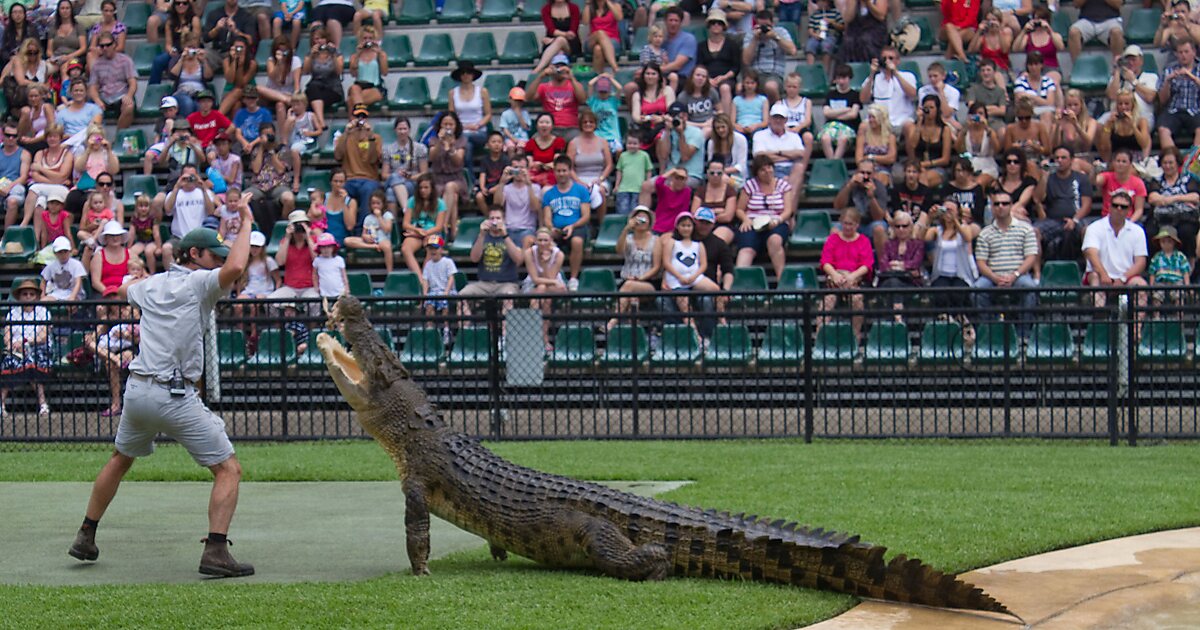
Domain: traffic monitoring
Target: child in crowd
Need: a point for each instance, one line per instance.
(317, 223)
(145, 238)
(514, 122)
(62, 279)
(825, 26)
(438, 276)
(259, 281)
(114, 349)
(376, 229)
(800, 120)
(750, 106)
(54, 222)
(841, 111)
(633, 168)
(72, 72)
(1169, 266)
(329, 269)
(290, 12)
(300, 126)
(231, 220)
(492, 166)
(653, 51)
(134, 270)
(96, 215)
(604, 104)
(162, 133)
(297, 328)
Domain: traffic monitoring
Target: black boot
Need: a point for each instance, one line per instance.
(216, 560)
(85, 545)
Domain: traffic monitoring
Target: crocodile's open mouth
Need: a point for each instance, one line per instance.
(347, 375)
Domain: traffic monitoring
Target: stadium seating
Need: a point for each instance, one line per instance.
(606, 238)
(996, 343)
(276, 350)
(416, 12)
(941, 344)
(835, 345)
(680, 347)
(1142, 25)
(436, 50)
(1050, 344)
(472, 347)
(887, 344)
(814, 83)
(231, 349)
(519, 47)
(625, 346)
(424, 348)
(782, 346)
(1162, 342)
(1097, 343)
(730, 347)
(574, 346)
(478, 48)
(21, 241)
(812, 228)
(144, 184)
(748, 279)
(498, 11)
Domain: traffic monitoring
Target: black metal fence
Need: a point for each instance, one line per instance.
(922, 363)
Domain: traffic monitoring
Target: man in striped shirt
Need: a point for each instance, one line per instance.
(1005, 252)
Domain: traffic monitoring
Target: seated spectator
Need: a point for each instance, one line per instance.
(189, 203)
(1124, 130)
(750, 107)
(1174, 201)
(960, 22)
(719, 196)
(911, 196)
(825, 26)
(1006, 252)
(492, 167)
(62, 278)
(766, 52)
(1039, 36)
(291, 14)
(841, 112)
(994, 42)
(593, 161)
(875, 140)
(642, 259)
(1129, 74)
(561, 95)
(275, 177)
(604, 36)
(634, 169)
(181, 21)
(110, 264)
(1115, 249)
(1075, 128)
(75, 115)
(323, 66)
(966, 191)
(360, 151)
(515, 123)
(146, 240)
(1099, 20)
(719, 268)
(721, 56)
(1027, 134)
(193, 74)
(472, 104)
(1169, 267)
(49, 173)
(96, 159)
(181, 149)
(800, 112)
(1122, 177)
(403, 160)
(867, 192)
(682, 146)
(948, 95)
(648, 105)
(1016, 180)
(17, 29)
(980, 142)
(674, 197)
(296, 252)
(14, 170)
(1179, 94)
(929, 142)
(847, 262)
(544, 261)
(652, 52)
(1066, 197)
(329, 269)
(728, 147)
(990, 91)
(764, 216)
(424, 216)
(953, 265)
(1039, 89)
(866, 32)
(901, 258)
(680, 46)
(336, 15)
(34, 118)
(224, 26)
(207, 124)
(684, 261)
(377, 13)
(283, 77)
(521, 200)
(542, 149)
(341, 212)
(566, 207)
(701, 100)
(376, 232)
(27, 357)
(66, 41)
(1175, 25)
(438, 279)
(605, 104)
(561, 20)
(26, 70)
(94, 218)
(447, 155)
(782, 146)
(895, 90)
(113, 83)
(55, 221)
(498, 258)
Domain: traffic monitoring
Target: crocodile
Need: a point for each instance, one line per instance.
(567, 523)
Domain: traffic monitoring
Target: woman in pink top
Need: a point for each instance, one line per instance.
(1037, 35)
(602, 16)
(847, 260)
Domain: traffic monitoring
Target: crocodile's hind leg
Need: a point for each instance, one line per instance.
(616, 556)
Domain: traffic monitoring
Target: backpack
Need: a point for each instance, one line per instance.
(906, 35)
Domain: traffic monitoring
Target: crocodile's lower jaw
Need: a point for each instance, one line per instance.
(347, 375)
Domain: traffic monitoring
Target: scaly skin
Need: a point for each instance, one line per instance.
(563, 522)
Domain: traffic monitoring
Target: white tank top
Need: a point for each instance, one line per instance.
(469, 112)
(685, 261)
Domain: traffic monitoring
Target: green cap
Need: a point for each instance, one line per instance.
(204, 238)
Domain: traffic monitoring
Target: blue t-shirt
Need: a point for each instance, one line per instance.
(74, 122)
(749, 111)
(683, 44)
(566, 207)
(249, 121)
(607, 125)
(695, 164)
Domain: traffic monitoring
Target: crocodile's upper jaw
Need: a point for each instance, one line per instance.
(347, 374)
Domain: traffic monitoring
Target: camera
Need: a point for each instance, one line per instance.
(677, 122)
(239, 49)
(976, 118)
(642, 219)
(764, 29)
(327, 47)
(1176, 16)
(369, 45)
(270, 137)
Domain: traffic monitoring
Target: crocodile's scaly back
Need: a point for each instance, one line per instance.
(559, 521)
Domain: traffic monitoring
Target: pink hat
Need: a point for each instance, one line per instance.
(327, 240)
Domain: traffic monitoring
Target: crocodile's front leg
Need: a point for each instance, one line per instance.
(416, 527)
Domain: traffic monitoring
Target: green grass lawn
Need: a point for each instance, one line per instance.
(956, 505)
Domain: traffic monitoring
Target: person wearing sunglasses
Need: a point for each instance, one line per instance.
(14, 169)
(113, 81)
(892, 88)
(1122, 177)
(1006, 252)
(1027, 133)
(1115, 249)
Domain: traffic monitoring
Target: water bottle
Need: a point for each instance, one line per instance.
(824, 30)
(127, 145)
(799, 281)
(336, 135)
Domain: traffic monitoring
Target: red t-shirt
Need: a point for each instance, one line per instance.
(961, 13)
(206, 128)
(559, 101)
(297, 273)
(546, 156)
(1134, 186)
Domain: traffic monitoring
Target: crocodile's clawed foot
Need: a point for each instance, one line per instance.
(421, 570)
(499, 554)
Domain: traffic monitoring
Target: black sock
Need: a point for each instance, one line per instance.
(89, 523)
(216, 538)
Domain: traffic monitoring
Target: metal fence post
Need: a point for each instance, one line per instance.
(807, 368)
(495, 330)
(1007, 380)
(633, 341)
(1126, 377)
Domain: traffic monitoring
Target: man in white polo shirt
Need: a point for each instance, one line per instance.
(785, 148)
(1115, 249)
(894, 89)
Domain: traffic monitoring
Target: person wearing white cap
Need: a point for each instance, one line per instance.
(1129, 74)
(785, 148)
(111, 262)
(62, 279)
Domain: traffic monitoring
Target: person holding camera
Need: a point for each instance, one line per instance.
(868, 194)
(297, 251)
(892, 88)
(276, 176)
(182, 20)
(1066, 198)
(561, 96)
(183, 150)
(1038, 36)
(1179, 95)
(499, 260)
(1176, 25)
(240, 67)
(1129, 74)
(681, 145)
(360, 150)
(1099, 20)
(324, 67)
(521, 200)
(638, 246)
(1124, 130)
(766, 53)
(193, 74)
(447, 155)
(949, 244)
(369, 66)
(188, 203)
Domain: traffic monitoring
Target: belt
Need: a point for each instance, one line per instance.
(153, 381)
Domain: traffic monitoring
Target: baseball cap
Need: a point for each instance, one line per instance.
(435, 240)
(603, 84)
(516, 94)
(1132, 50)
(61, 244)
(361, 110)
(56, 195)
(168, 101)
(560, 60)
(250, 91)
(676, 108)
(706, 214)
(779, 109)
(257, 239)
(205, 94)
(203, 238)
(297, 216)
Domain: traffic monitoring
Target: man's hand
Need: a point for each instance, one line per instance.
(568, 231)
(1005, 279)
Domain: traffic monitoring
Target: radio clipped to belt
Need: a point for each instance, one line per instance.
(178, 386)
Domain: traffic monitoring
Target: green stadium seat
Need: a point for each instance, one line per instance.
(375, 257)
(152, 98)
(401, 284)
(1162, 342)
(641, 37)
(1050, 344)
(479, 48)
(464, 240)
(276, 349)
(64, 365)
(416, 12)
(887, 344)
(385, 336)
(791, 27)
(360, 283)
(135, 17)
(472, 347)
(1097, 343)
(304, 48)
(423, 349)
(680, 347)
(991, 347)
(436, 50)
(533, 11)
(826, 177)
(941, 344)
(457, 12)
(813, 81)
(24, 237)
(1091, 72)
(610, 230)
(1061, 23)
(409, 93)
(349, 47)
(137, 139)
(795, 278)
(498, 11)
(318, 179)
(460, 281)
(927, 33)
(595, 281)
(910, 65)
(231, 349)
(625, 346)
(398, 49)
(861, 71)
(144, 184)
(520, 47)
(729, 347)
(574, 346)
(748, 279)
(812, 228)
(442, 100)
(498, 86)
(1060, 273)
(835, 345)
(278, 232)
(311, 358)
(263, 53)
(143, 57)
(955, 66)
(1150, 64)
(782, 346)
